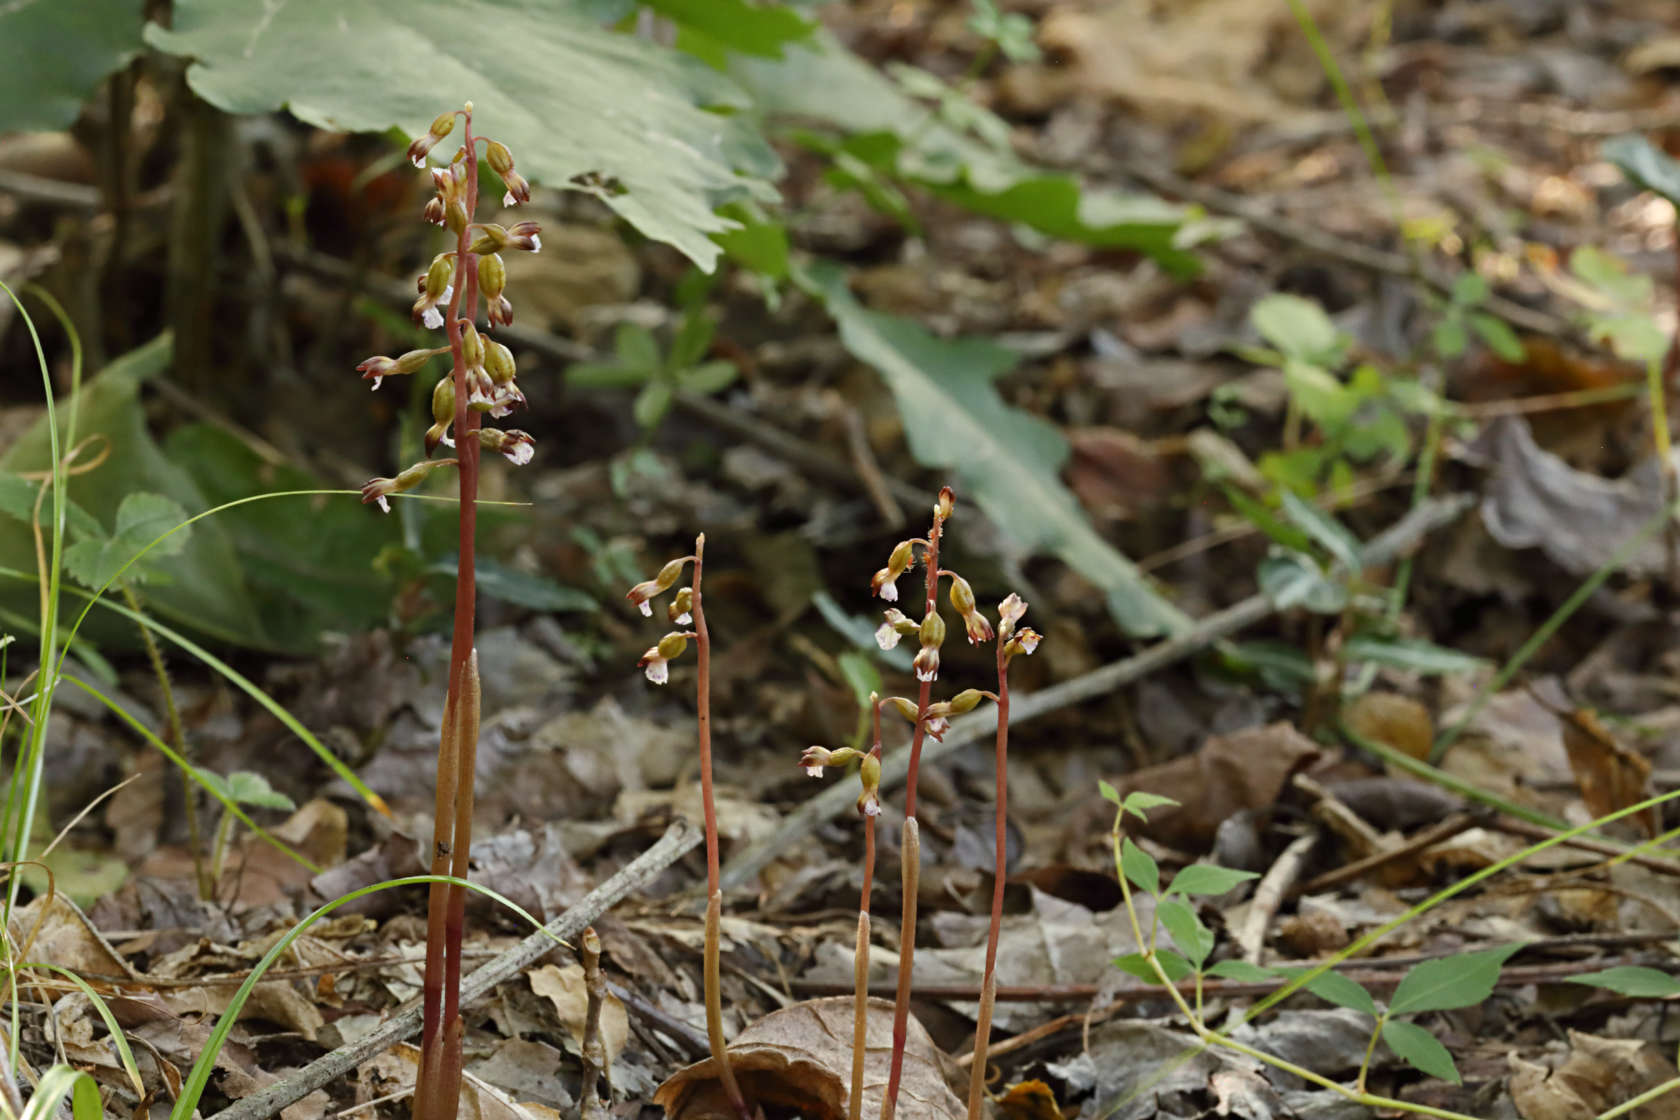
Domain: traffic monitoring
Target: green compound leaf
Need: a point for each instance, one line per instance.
(1420, 1048)
(1459, 981)
(1008, 459)
(611, 114)
(1208, 878)
(57, 53)
(1632, 980)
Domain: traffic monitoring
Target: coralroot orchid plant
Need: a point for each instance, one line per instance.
(686, 609)
(481, 380)
(928, 717)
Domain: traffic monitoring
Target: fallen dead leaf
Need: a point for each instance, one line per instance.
(563, 987)
(1597, 1074)
(801, 1057)
(1611, 776)
(1393, 720)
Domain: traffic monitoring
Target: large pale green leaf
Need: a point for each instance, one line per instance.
(894, 133)
(53, 53)
(643, 127)
(1008, 459)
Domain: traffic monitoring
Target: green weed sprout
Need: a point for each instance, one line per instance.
(480, 381)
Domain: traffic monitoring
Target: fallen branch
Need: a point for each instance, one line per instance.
(1403, 536)
(678, 839)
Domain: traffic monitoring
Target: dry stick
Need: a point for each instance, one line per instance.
(1400, 538)
(714, 895)
(1428, 838)
(1269, 894)
(994, 932)
(592, 1052)
(912, 848)
(679, 839)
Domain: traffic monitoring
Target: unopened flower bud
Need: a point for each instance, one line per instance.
(974, 623)
(1009, 613)
(947, 503)
(515, 446)
(524, 235)
(904, 707)
(498, 362)
(647, 589)
(966, 701)
(472, 346)
(926, 663)
(680, 610)
(492, 275)
(496, 154)
(455, 216)
(501, 312)
(434, 211)
(869, 774)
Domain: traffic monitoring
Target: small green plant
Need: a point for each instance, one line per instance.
(241, 787)
(481, 382)
(1460, 319)
(657, 378)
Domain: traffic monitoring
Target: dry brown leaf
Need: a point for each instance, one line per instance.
(397, 1068)
(1598, 1073)
(1611, 776)
(563, 987)
(1393, 720)
(55, 930)
(801, 1057)
(1243, 770)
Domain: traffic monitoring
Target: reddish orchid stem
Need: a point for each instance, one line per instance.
(988, 989)
(860, 962)
(907, 928)
(714, 896)
(446, 904)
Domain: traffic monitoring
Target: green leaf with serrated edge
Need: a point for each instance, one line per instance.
(1109, 793)
(1333, 987)
(1412, 654)
(17, 499)
(656, 135)
(1636, 981)
(753, 29)
(825, 83)
(1242, 972)
(1646, 166)
(56, 56)
(1008, 459)
(1208, 878)
(250, 788)
(1462, 980)
(1139, 803)
(1331, 534)
(1140, 867)
(1193, 938)
(1420, 1048)
(141, 519)
(1298, 327)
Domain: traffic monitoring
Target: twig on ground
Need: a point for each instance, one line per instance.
(677, 841)
(1435, 834)
(596, 1070)
(831, 803)
(1270, 892)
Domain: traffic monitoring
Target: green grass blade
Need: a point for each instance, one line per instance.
(118, 1039)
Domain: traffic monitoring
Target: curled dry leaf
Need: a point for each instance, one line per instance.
(801, 1058)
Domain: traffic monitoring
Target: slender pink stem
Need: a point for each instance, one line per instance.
(907, 927)
(988, 988)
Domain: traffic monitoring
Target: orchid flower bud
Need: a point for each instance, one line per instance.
(815, 758)
(656, 661)
(680, 610)
(422, 145)
(869, 774)
(492, 275)
(515, 446)
(962, 598)
(443, 415)
(377, 369)
(903, 706)
(435, 289)
(501, 312)
(1025, 641)
(378, 489)
(895, 627)
(524, 236)
(947, 503)
(884, 583)
(659, 584)
(496, 154)
(1009, 613)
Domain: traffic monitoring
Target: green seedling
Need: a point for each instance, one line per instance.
(241, 787)
(657, 378)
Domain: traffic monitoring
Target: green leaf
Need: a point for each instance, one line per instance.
(652, 403)
(1109, 793)
(895, 136)
(1324, 529)
(1449, 337)
(1139, 803)
(693, 339)
(1009, 460)
(1463, 980)
(1290, 579)
(522, 589)
(1282, 667)
(250, 788)
(636, 348)
(1298, 327)
(1140, 867)
(141, 519)
(1265, 520)
(1208, 878)
(754, 29)
(1333, 987)
(653, 133)
(1420, 1048)
(17, 499)
(1412, 654)
(709, 377)
(760, 244)
(1469, 289)
(1632, 980)
(1136, 964)
(56, 56)
(1242, 972)
(1498, 335)
(1647, 166)
(1320, 396)
(1193, 938)
(861, 675)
